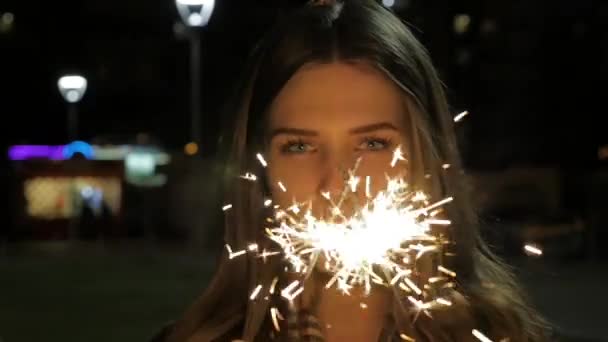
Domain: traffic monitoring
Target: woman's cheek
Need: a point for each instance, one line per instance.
(293, 178)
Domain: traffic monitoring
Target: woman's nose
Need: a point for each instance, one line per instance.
(335, 173)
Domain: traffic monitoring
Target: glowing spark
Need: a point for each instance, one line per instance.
(397, 156)
(530, 249)
(249, 176)
(459, 117)
(231, 254)
(412, 286)
(367, 186)
(443, 301)
(276, 315)
(267, 202)
(446, 271)
(440, 203)
(406, 338)
(419, 304)
(236, 254)
(404, 287)
(399, 275)
(446, 166)
(227, 207)
(353, 181)
(261, 159)
(480, 336)
(326, 194)
(283, 188)
(419, 197)
(439, 222)
(288, 292)
(252, 247)
(433, 280)
(363, 306)
(255, 292)
(273, 284)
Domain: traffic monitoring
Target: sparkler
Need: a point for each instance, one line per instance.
(379, 241)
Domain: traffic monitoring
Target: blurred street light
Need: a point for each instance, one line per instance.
(72, 88)
(195, 14)
(6, 22)
(461, 23)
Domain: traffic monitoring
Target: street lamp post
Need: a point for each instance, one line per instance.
(195, 14)
(72, 88)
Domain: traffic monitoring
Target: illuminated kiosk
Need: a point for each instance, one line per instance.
(77, 190)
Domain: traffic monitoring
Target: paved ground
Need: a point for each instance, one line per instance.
(124, 292)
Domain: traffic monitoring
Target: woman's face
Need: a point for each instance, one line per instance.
(322, 121)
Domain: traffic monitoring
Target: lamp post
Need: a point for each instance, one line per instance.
(72, 88)
(195, 14)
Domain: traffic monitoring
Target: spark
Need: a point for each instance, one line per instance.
(433, 280)
(412, 286)
(353, 181)
(367, 186)
(460, 116)
(227, 207)
(326, 194)
(252, 247)
(440, 222)
(397, 156)
(267, 202)
(399, 275)
(249, 176)
(406, 338)
(283, 188)
(363, 306)
(232, 255)
(418, 303)
(530, 249)
(261, 159)
(446, 271)
(289, 293)
(236, 254)
(480, 336)
(446, 166)
(255, 292)
(404, 287)
(443, 301)
(273, 284)
(276, 315)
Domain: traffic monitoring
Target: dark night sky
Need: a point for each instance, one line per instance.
(530, 72)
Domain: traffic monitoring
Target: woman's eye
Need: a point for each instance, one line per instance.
(374, 144)
(296, 147)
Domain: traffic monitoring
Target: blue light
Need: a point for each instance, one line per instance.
(78, 147)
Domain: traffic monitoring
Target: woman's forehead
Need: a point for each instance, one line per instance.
(333, 92)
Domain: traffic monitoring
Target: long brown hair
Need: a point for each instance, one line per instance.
(354, 31)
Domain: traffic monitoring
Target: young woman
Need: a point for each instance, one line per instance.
(332, 83)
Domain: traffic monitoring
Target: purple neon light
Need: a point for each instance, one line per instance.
(23, 152)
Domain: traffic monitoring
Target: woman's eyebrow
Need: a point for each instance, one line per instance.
(293, 131)
(313, 133)
(373, 127)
